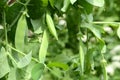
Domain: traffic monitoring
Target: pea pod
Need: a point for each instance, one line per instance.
(43, 47)
(81, 54)
(51, 26)
(65, 5)
(20, 33)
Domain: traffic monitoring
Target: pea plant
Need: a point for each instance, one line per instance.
(52, 40)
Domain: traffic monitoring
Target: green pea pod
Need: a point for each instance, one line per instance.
(66, 5)
(43, 47)
(44, 3)
(20, 33)
(103, 64)
(51, 26)
(81, 54)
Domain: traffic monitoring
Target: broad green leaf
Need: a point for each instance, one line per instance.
(4, 66)
(56, 72)
(28, 70)
(17, 74)
(99, 3)
(52, 3)
(37, 71)
(118, 31)
(51, 26)
(25, 60)
(59, 64)
(65, 5)
(86, 6)
(12, 74)
(58, 4)
(43, 47)
(73, 1)
(81, 54)
(20, 33)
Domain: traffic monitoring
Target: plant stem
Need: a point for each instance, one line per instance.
(5, 29)
(21, 53)
(99, 22)
(11, 58)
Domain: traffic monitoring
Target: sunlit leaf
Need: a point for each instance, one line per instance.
(73, 1)
(99, 3)
(25, 60)
(59, 64)
(12, 74)
(4, 66)
(66, 5)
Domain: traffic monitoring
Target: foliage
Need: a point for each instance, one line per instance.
(59, 39)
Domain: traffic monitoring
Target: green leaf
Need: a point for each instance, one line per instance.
(52, 3)
(65, 5)
(118, 31)
(59, 64)
(51, 26)
(99, 3)
(43, 47)
(86, 6)
(20, 33)
(37, 26)
(58, 4)
(12, 74)
(56, 72)
(37, 71)
(4, 66)
(73, 1)
(25, 60)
